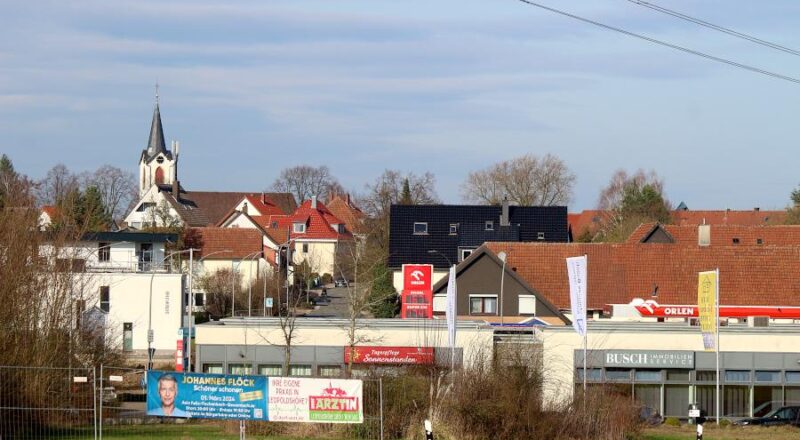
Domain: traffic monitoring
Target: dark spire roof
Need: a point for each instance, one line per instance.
(156, 143)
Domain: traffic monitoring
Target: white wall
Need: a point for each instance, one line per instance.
(137, 219)
(129, 295)
(397, 278)
(321, 256)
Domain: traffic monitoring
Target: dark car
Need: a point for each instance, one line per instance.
(787, 415)
(340, 282)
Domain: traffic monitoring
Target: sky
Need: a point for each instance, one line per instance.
(450, 87)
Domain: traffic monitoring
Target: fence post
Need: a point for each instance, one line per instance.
(94, 398)
(101, 401)
(380, 398)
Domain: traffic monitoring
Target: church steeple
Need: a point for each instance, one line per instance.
(156, 143)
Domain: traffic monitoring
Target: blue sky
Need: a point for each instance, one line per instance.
(251, 87)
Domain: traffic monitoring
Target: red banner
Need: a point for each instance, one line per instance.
(390, 355)
(651, 308)
(179, 356)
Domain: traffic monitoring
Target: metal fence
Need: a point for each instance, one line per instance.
(110, 402)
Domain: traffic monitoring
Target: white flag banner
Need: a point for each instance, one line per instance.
(451, 309)
(576, 270)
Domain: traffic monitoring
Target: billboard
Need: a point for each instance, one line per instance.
(294, 399)
(278, 399)
(206, 396)
(390, 355)
(417, 294)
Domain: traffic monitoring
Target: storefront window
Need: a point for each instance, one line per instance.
(594, 374)
(792, 396)
(793, 377)
(706, 397)
(648, 395)
(706, 376)
(736, 400)
(213, 368)
(678, 375)
(242, 369)
(768, 376)
(676, 400)
(300, 370)
(737, 376)
(270, 370)
(766, 399)
(647, 376)
(330, 370)
(616, 374)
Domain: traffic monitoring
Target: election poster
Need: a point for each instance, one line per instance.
(276, 399)
(206, 396)
(293, 399)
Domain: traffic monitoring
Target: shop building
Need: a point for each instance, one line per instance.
(662, 365)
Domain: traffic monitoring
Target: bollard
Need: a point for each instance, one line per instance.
(428, 430)
(699, 431)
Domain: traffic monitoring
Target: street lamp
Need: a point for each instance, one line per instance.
(150, 336)
(434, 251)
(502, 256)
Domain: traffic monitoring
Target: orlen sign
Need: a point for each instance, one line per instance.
(417, 277)
(417, 294)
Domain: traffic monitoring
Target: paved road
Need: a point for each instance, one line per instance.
(335, 307)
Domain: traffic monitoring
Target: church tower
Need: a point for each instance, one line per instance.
(157, 165)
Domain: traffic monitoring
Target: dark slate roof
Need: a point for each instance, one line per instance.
(526, 222)
(207, 208)
(156, 145)
(133, 237)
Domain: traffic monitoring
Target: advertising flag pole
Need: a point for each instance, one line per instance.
(716, 300)
(586, 330)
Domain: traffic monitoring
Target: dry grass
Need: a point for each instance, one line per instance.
(725, 433)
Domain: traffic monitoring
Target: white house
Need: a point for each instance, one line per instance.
(131, 283)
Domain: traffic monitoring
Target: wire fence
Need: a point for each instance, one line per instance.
(109, 402)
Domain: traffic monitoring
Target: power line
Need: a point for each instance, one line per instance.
(664, 43)
(716, 27)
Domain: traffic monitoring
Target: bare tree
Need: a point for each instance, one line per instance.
(528, 180)
(386, 191)
(629, 200)
(117, 188)
(56, 185)
(305, 181)
(218, 288)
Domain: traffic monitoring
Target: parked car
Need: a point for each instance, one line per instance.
(787, 415)
(340, 282)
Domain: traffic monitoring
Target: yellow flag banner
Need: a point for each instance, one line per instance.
(707, 308)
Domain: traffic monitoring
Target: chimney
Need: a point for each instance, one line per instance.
(756, 209)
(704, 235)
(504, 221)
(347, 199)
(263, 198)
(176, 189)
(244, 208)
(313, 202)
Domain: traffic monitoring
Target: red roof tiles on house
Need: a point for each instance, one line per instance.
(729, 217)
(726, 235)
(319, 223)
(617, 273)
(346, 211)
(227, 243)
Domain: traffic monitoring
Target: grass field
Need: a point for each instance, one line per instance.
(726, 433)
(173, 432)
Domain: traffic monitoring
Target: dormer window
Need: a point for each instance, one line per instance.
(299, 228)
(453, 228)
(489, 225)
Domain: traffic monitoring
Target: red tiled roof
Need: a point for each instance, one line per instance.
(617, 273)
(228, 243)
(50, 210)
(728, 217)
(318, 223)
(724, 235)
(264, 205)
(586, 220)
(344, 210)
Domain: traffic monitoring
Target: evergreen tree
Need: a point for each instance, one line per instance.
(7, 178)
(95, 215)
(405, 195)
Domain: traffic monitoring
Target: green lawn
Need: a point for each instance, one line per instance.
(725, 433)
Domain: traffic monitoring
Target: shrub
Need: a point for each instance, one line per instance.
(672, 421)
(724, 423)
